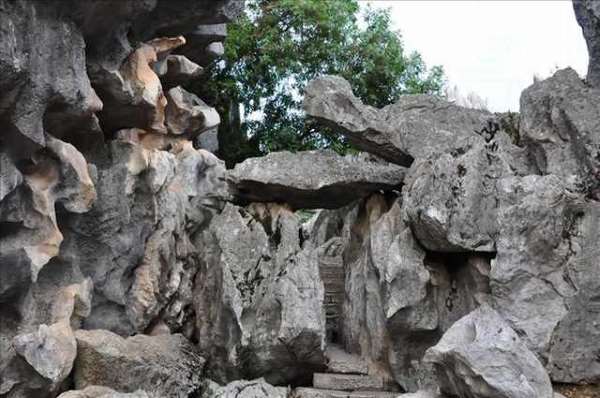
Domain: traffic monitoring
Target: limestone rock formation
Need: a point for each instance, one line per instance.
(188, 115)
(588, 17)
(258, 304)
(553, 248)
(481, 356)
(175, 70)
(415, 126)
(559, 121)
(244, 389)
(134, 265)
(451, 198)
(166, 365)
(313, 179)
(101, 392)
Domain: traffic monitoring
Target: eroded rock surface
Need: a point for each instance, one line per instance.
(313, 179)
(133, 264)
(415, 126)
(588, 17)
(165, 365)
(481, 356)
(559, 123)
(258, 303)
(258, 388)
(101, 392)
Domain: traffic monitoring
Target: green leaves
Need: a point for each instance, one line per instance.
(278, 46)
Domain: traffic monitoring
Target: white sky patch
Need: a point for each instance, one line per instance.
(492, 48)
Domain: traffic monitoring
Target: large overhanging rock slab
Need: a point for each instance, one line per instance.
(480, 356)
(413, 127)
(560, 121)
(312, 179)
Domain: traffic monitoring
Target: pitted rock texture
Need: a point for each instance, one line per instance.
(163, 365)
(133, 264)
(588, 17)
(101, 392)
(415, 126)
(258, 303)
(559, 124)
(481, 356)
(313, 179)
(258, 388)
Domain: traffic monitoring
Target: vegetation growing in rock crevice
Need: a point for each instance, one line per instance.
(277, 46)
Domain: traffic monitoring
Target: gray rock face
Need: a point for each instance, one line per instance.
(175, 70)
(312, 179)
(399, 298)
(94, 233)
(28, 218)
(543, 278)
(258, 299)
(417, 125)
(137, 239)
(165, 365)
(481, 356)
(50, 351)
(188, 115)
(451, 199)
(258, 388)
(588, 17)
(127, 262)
(101, 392)
(37, 98)
(559, 124)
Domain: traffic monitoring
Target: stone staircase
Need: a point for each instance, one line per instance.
(347, 376)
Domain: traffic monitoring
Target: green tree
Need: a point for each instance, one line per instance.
(278, 46)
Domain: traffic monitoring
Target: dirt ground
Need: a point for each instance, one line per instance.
(572, 391)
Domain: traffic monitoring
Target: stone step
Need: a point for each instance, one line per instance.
(340, 361)
(304, 392)
(347, 382)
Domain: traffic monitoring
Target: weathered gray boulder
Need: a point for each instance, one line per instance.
(166, 365)
(543, 278)
(175, 70)
(258, 388)
(258, 298)
(587, 13)
(560, 120)
(313, 179)
(101, 392)
(187, 115)
(50, 351)
(417, 125)
(135, 243)
(481, 356)
(450, 198)
(36, 338)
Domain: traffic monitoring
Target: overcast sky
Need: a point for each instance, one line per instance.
(492, 48)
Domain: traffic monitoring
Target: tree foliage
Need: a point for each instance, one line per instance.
(278, 46)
